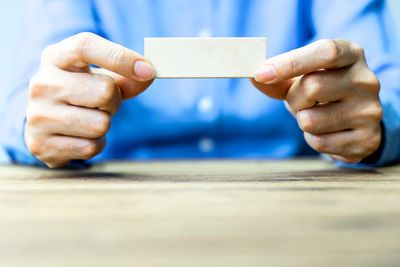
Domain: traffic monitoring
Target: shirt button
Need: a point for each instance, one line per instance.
(205, 104)
(206, 145)
(204, 32)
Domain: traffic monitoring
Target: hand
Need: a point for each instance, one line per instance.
(334, 96)
(70, 104)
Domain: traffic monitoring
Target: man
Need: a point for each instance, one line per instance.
(319, 69)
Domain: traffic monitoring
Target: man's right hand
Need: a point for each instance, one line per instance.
(71, 104)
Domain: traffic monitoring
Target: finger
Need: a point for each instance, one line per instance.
(129, 88)
(82, 89)
(352, 144)
(69, 120)
(331, 117)
(320, 87)
(58, 150)
(322, 54)
(81, 50)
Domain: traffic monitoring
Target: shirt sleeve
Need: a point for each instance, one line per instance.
(46, 22)
(368, 23)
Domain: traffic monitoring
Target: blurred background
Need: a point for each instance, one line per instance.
(11, 14)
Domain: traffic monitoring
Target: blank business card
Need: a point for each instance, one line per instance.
(205, 57)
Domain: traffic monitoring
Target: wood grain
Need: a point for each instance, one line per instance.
(205, 57)
(200, 213)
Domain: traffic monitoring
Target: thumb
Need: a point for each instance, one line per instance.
(129, 88)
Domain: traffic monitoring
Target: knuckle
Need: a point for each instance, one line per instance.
(306, 120)
(374, 111)
(106, 91)
(330, 50)
(34, 118)
(39, 86)
(318, 143)
(366, 80)
(90, 150)
(35, 146)
(375, 84)
(48, 52)
(75, 48)
(368, 141)
(372, 142)
(357, 49)
(45, 151)
(35, 80)
(52, 159)
(102, 125)
(377, 114)
(36, 86)
(80, 42)
(312, 86)
(372, 83)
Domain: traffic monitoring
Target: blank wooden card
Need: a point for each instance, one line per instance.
(205, 57)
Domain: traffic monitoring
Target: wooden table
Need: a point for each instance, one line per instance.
(200, 213)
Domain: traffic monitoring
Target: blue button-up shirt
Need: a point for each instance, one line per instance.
(207, 118)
